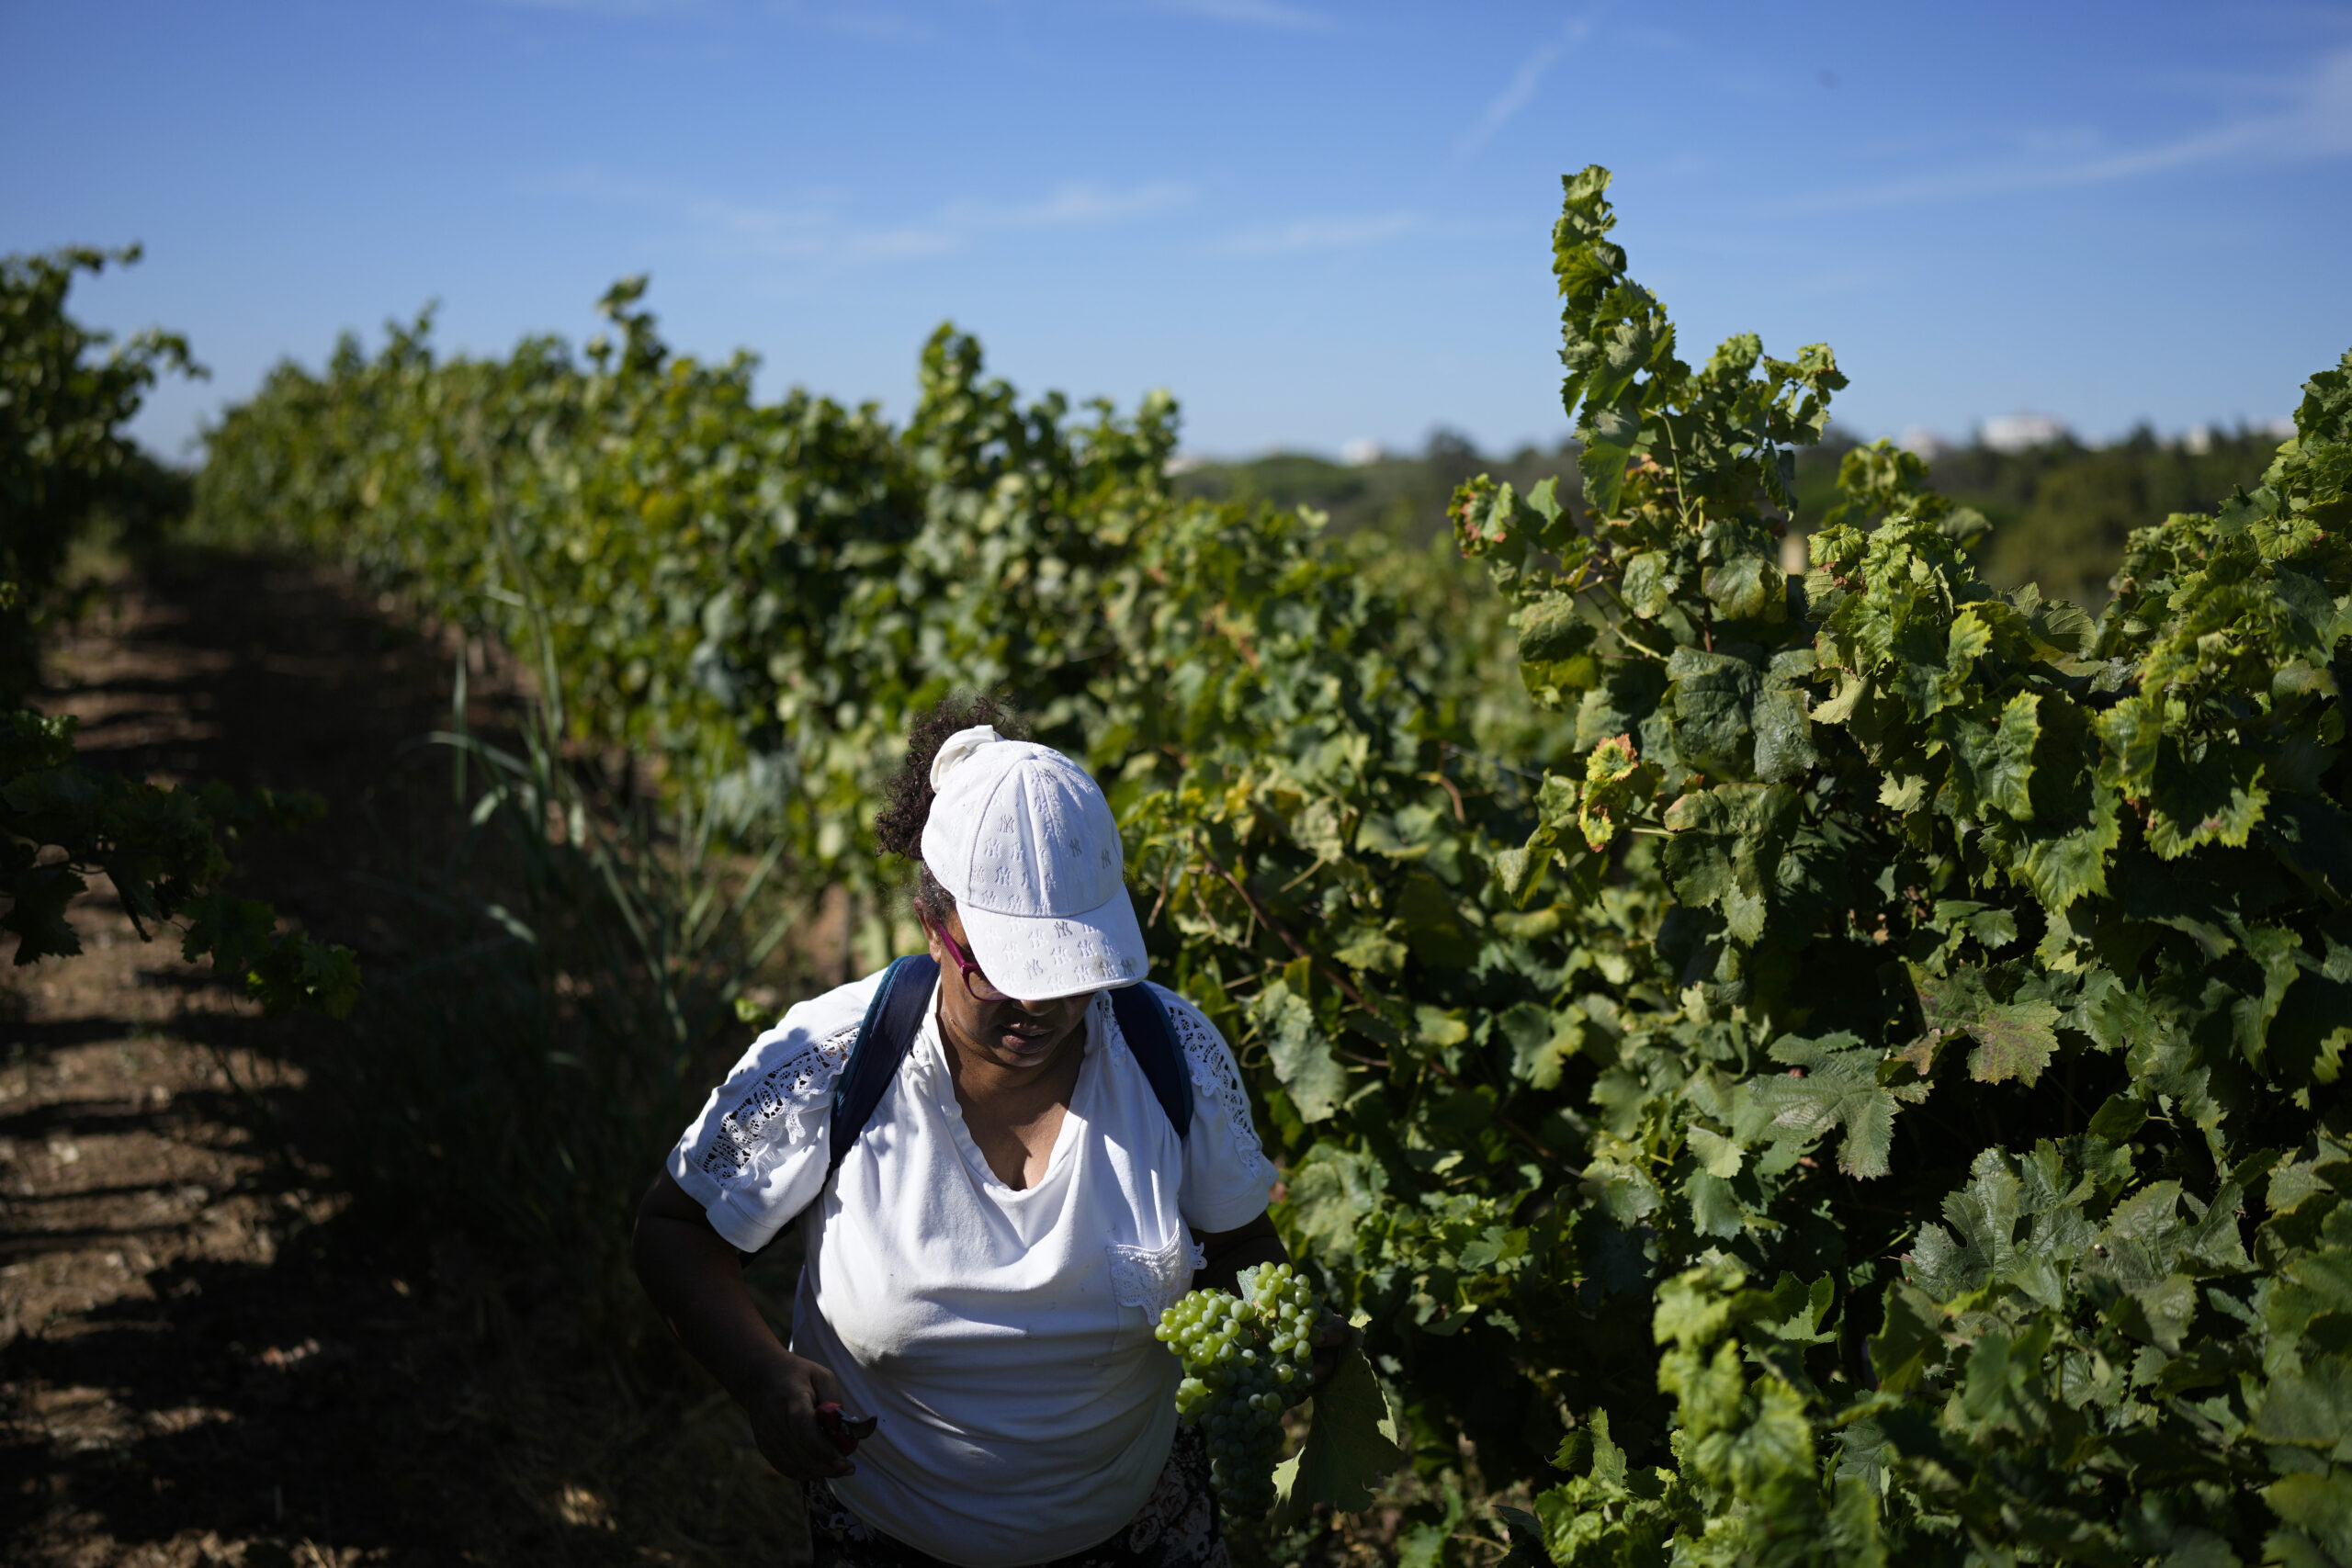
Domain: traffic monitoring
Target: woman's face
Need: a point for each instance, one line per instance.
(1023, 1037)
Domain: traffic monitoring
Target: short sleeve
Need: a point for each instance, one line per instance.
(756, 1155)
(1226, 1177)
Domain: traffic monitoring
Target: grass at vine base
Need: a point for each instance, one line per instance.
(208, 1352)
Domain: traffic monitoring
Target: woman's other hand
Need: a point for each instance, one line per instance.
(784, 1422)
(697, 1281)
(1229, 1252)
(1330, 1340)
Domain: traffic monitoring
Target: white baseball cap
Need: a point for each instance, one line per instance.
(1022, 838)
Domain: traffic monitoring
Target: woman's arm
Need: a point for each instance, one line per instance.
(1229, 1252)
(696, 1284)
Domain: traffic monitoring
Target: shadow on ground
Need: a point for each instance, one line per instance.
(208, 1351)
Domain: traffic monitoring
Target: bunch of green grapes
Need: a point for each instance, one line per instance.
(1246, 1360)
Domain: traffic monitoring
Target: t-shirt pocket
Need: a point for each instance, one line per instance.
(1151, 1279)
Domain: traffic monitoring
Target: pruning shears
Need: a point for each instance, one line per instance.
(846, 1430)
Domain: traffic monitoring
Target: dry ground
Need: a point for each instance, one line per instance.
(208, 1353)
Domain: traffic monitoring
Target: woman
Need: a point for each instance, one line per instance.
(985, 1268)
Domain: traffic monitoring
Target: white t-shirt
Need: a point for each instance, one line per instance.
(1004, 1337)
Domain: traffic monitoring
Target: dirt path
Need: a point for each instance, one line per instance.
(207, 1353)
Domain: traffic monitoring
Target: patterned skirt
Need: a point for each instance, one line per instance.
(1176, 1528)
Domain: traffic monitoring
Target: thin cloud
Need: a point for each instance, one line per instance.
(862, 21)
(822, 230)
(1249, 13)
(1320, 234)
(1071, 205)
(1522, 85)
(855, 20)
(606, 7)
(816, 233)
(1646, 37)
(2316, 123)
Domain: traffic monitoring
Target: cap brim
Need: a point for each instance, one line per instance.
(1039, 957)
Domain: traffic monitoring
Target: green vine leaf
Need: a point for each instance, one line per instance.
(2014, 1040)
(1835, 1085)
(1302, 1057)
(1352, 1446)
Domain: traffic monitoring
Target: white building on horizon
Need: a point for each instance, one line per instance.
(2023, 432)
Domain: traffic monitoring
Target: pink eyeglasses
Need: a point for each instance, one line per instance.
(975, 985)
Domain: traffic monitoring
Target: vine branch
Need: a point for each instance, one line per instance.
(1386, 1064)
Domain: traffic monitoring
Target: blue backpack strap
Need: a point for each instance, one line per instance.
(1144, 1022)
(895, 1013)
(883, 1040)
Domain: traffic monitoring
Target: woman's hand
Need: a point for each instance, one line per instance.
(697, 1281)
(1229, 1252)
(1330, 1340)
(784, 1423)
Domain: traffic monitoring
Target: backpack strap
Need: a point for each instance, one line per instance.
(895, 1015)
(883, 1040)
(884, 1037)
(1144, 1023)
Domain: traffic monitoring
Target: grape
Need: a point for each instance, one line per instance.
(1246, 1360)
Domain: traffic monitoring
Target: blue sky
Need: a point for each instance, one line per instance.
(1314, 221)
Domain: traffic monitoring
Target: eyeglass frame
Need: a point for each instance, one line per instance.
(967, 965)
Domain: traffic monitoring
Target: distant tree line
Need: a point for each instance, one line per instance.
(2060, 513)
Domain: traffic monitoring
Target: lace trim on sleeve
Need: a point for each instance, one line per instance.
(1215, 1075)
(1154, 1278)
(781, 1106)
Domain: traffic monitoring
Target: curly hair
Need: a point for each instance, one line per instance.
(897, 828)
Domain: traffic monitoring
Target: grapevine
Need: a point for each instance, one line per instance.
(64, 458)
(1758, 1094)
(1246, 1360)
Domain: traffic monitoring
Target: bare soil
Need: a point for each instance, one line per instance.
(208, 1351)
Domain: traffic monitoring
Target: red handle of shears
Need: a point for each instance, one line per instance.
(847, 1431)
